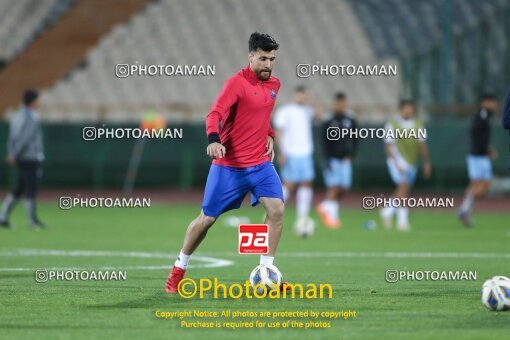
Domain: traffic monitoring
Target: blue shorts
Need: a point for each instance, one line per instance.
(479, 168)
(298, 169)
(338, 173)
(226, 187)
(408, 176)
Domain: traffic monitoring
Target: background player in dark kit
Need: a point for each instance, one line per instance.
(25, 151)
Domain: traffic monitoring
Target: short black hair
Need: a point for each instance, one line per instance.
(263, 41)
(340, 96)
(405, 102)
(300, 88)
(487, 96)
(30, 96)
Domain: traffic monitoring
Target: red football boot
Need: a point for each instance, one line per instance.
(284, 286)
(173, 280)
(328, 221)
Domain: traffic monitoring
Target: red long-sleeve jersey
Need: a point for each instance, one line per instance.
(244, 109)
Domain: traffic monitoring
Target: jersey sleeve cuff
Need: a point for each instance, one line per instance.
(213, 137)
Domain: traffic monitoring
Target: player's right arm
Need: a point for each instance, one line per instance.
(506, 112)
(11, 142)
(219, 112)
(20, 135)
(216, 150)
(388, 149)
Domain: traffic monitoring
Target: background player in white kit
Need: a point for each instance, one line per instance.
(294, 138)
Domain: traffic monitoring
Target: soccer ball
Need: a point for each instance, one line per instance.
(304, 227)
(496, 293)
(266, 275)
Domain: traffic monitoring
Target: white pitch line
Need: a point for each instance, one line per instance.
(25, 269)
(208, 262)
(211, 262)
(84, 253)
(425, 255)
(167, 267)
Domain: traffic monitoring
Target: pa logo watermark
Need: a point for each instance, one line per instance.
(253, 239)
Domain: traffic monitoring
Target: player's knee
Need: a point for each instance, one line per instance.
(17, 193)
(484, 187)
(403, 187)
(276, 211)
(207, 221)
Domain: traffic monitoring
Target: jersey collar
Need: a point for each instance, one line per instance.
(250, 75)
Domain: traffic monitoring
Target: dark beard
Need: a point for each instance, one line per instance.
(259, 75)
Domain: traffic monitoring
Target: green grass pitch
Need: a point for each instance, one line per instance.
(347, 258)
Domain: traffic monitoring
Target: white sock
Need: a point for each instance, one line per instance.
(304, 197)
(285, 194)
(182, 261)
(467, 204)
(7, 206)
(331, 207)
(402, 216)
(388, 212)
(266, 260)
(335, 209)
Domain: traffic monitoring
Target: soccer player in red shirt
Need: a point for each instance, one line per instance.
(242, 153)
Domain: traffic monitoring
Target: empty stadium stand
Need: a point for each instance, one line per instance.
(178, 32)
(62, 46)
(436, 42)
(216, 32)
(21, 21)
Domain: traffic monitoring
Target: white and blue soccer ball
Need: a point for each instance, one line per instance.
(496, 293)
(304, 227)
(267, 276)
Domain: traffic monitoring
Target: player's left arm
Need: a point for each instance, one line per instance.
(270, 144)
(424, 151)
(355, 139)
(492, 153)
(20, 135)
(271, 132)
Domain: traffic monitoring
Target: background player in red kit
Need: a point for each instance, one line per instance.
(242, 151)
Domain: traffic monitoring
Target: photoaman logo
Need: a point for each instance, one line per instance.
(189, 288)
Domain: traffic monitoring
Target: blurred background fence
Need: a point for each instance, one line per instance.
(448, 53)
(182, 163)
